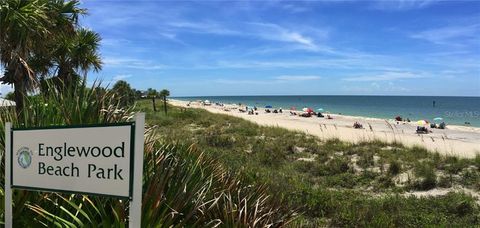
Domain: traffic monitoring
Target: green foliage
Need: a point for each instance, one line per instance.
(427, 177)
(123, 93)
(138, 94)
(215, 138)
(152, 94)
(32, 42)
(334, 183)
(182, 186)
(395, 168)
(164, 94)
(10, 96)
(76, 106)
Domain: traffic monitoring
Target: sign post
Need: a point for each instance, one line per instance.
(104, 160)
(135, 213)
(8, 191)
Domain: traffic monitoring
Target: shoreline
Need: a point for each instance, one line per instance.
(461, 141)
(456, 126)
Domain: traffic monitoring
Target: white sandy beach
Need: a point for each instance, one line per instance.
(459, 141)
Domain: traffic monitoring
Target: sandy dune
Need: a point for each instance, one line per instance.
(455, 140)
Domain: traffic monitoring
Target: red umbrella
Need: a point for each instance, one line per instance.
(307, 110)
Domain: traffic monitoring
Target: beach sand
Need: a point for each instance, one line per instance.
(458, 141)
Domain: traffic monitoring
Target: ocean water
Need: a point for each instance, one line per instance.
(454, 110)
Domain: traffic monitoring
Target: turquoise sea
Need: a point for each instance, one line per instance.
(454, 110)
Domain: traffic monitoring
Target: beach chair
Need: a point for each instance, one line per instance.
(422, 130)
(442, 125)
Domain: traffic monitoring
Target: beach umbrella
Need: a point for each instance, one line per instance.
(268, 106)
(422, 122)
(307, 110)
(438, 119)
(293, 108)
(320, 109)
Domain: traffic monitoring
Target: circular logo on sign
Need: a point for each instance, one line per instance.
(24, 157)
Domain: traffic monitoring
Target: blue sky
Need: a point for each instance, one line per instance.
(404, 47)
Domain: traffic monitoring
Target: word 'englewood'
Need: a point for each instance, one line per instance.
(60, 152)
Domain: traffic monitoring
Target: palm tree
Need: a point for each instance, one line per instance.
(152, 93)
(124, 94)
(26, 29)
(22, 24)
(164, 94)
(76, 55)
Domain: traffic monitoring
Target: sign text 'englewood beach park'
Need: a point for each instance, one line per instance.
(58, 153)
(101, 159)
(85, 160)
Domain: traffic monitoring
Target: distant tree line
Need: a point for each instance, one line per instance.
(126, 95)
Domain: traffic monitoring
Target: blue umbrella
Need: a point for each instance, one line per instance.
(268, 106)
(320, 109)
(438, 119)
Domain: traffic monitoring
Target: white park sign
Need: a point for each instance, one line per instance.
(88, 159)
(84, 160)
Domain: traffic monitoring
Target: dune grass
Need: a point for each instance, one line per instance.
(333, 182)
(181, 186)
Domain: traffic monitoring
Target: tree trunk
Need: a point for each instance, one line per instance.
(19, 94)
(165, 104)
(153, 103)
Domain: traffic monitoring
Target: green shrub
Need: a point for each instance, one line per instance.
(395, 168)
(326, 195)
(337, 165)
(471, 178)
(445, 182)
(426, 177)
(476, 161)
(454, 165)
(215, 138)
(366, 159)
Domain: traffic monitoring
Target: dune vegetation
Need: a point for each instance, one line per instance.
(333, 183)
(182, 187)
(210, 170)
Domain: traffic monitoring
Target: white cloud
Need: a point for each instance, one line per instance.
(239, 81)
(277, 79)
(275, 32)
(132, 63)
(398, 5)
(446, 35)
(387, 76)
(114, 42)
(258, 30)
(121, 77)
(202, 27)
(294, 8)
(297, 77)
(376, 88)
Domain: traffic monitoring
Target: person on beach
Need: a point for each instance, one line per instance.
(357, 125)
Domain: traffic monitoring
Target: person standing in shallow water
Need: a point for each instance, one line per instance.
(434, 104)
